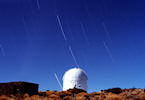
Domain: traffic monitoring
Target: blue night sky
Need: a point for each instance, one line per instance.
(106, 38)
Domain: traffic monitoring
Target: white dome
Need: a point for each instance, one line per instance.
(75, 77)
(75, 74)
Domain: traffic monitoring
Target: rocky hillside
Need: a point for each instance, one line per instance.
(78, 94)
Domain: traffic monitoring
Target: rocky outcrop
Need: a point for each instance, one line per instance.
(78, 94)
(17, 88)
(114, 90)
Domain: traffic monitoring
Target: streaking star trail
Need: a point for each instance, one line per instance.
(108, 52)
(84, 33)
(107, 32)
(2, 50)
(38, 4)
(59, 22)
(73, 56)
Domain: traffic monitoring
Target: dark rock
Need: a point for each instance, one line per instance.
(17, 88)
(114, 90)
(75, 90)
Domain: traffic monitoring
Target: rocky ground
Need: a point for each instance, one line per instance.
(78, 94)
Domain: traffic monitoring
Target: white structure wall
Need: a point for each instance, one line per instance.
(75, 77)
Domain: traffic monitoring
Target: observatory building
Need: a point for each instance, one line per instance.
(75, 77)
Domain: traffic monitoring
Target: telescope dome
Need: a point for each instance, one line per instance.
(75, 77)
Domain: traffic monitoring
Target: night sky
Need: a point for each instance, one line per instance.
(106, 38)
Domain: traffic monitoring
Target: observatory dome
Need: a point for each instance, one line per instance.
(75, 74)
(75, 77)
